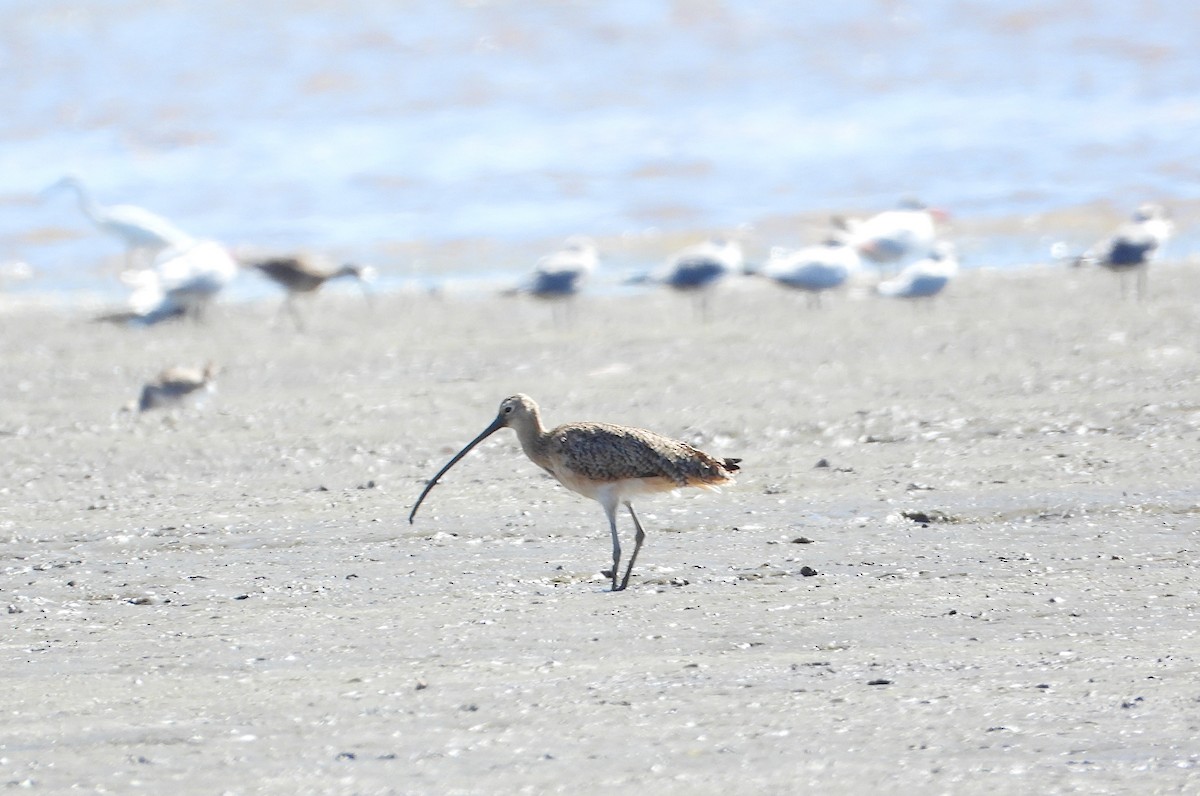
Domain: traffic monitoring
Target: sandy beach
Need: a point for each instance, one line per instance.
(997, 490)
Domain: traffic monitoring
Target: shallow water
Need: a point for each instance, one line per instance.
(439, 138)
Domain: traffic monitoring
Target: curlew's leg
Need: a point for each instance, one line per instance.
(1142, 278)
(637, 546)
(610, 509)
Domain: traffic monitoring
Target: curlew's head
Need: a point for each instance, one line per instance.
(518, 412)
(363, 273)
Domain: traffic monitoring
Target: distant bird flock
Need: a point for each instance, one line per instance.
(901, 251)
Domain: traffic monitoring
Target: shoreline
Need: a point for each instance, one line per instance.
(1007, 243)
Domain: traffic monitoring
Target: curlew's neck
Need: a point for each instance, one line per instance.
(532, 435)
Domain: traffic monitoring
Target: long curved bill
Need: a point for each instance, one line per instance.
(496, 425)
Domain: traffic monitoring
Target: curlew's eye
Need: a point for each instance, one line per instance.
(508, 409)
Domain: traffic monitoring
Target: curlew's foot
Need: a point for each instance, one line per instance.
(612, 574)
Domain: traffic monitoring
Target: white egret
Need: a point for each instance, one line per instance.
(137, 227)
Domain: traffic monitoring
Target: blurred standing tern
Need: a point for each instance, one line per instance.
(699, 268)
(560, 275)
(812, 269)
(1132, 246)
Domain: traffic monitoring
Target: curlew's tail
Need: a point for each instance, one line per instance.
(713, 473)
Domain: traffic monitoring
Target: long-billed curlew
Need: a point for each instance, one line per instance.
(1133, 246)
(609, 464)
(304, 275)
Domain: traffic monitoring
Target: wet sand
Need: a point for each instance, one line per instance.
(998, 490)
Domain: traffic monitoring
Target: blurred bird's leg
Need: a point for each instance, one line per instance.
(289, 304)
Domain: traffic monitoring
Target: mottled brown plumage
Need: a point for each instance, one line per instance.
(175, 384)
(301, 274)
(610, 464)
(601, 452)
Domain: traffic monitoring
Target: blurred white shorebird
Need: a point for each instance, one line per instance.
(895, 235)
(139, 228)
(812, 269)
(700, 268)
(926, 277)
(183, 281)
(1132, 247)
(304, 275)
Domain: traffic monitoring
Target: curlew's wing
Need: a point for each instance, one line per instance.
(602, 452)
